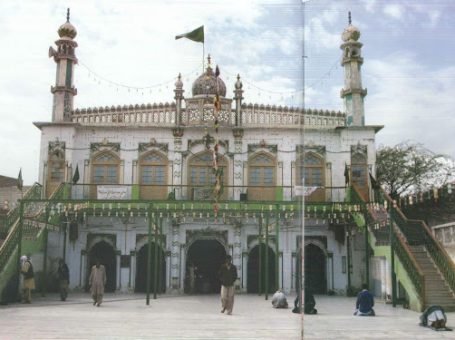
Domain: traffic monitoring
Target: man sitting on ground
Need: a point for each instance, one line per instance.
(279, 300)
(310, 302)
(365, 302)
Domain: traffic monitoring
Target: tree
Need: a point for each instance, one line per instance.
(410, 168)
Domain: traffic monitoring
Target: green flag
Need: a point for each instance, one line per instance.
(76, 175)
(20, 182)
(196, 35)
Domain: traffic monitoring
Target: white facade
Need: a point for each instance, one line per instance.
(176, 132)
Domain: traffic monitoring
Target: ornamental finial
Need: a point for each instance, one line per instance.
(209, 60)
(349, 18)
(68, 15)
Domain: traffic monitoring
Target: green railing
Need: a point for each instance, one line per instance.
(12, 216)
(409, 262)
(12, 221)
(438, 253)
(9, 246)
(418, 233)
(399, 244)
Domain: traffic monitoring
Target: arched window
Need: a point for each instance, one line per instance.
(312, 169)
(105, 168)
(55, 172)
(261, 177)
(153, 176)
(201, 176)
(359, 174)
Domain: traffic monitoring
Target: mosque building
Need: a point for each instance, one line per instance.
(161, 193)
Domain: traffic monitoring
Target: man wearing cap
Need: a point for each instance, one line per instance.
(227, 275)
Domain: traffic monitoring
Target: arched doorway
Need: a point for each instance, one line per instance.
(104, 252)
(141, 270)
(204, 259)
(315, 269)
(253, 270)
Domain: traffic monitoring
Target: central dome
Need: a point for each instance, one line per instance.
(209, 84)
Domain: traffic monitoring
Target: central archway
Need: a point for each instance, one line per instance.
(253, 270)
(104, 252)
(204, 259)
(315, 269)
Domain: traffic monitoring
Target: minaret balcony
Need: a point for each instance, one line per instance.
(345, 92)
(71, 90)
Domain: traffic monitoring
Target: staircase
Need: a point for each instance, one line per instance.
(437, 292)
(428, 266)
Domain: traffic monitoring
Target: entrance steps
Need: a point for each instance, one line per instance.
(437, 292)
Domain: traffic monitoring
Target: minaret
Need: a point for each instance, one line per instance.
(238, 101)
(352, 93)
(65, 58)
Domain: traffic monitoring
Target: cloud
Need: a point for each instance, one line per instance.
(412, 101)
(394, 11)
(370, 5)
(132, 44)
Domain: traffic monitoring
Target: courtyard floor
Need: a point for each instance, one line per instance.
(198, 317)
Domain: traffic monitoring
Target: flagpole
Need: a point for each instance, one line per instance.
(203, 56)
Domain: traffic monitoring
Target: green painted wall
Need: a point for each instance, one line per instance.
(402, 275)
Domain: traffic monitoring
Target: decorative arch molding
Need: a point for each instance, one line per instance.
(221, 236)
(207, 140)
(93, 239)
(142, 240)
(358, 150)
(316, 243)
(105, 145)
(264, 147)
(252, 241)
(153, 145)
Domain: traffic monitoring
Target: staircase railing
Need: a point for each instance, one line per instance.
(418, 233)
(12, 240)
(399, 245)
(12, 227)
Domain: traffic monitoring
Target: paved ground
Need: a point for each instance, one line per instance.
(199, 317)
(127, 317)
(335, 321)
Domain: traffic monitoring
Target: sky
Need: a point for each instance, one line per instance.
(128, 55)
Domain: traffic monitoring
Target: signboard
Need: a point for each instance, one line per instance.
(104, 192)
(301, 190)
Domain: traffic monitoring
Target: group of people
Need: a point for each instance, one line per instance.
(433, 317)
(97, 280)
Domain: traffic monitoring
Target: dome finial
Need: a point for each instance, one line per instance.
(209, 61)
(349, 18)
(68, 15)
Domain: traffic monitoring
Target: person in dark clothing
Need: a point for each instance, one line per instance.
(310, 302)
(227, 275)
(63, 275)
(365, 302)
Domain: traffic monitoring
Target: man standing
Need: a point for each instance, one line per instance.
(63, 274)
(97, 281)
(29, 278)
(227, 275)
(365, 302)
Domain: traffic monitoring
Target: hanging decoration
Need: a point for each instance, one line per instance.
(217, 170)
